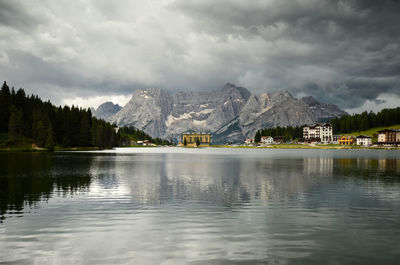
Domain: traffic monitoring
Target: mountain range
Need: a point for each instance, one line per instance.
(106, 110)
(230, 114)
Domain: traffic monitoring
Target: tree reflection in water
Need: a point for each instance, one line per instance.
(28, 178)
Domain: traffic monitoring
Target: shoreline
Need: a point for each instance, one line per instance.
(277, 146)
(303, 146)
(45, 150)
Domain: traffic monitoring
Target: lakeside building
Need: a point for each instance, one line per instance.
(318, 132)
(346, 140)
(335, 139)
(192, 139)
(364, 140)
(267, 140)
(249, 141)
(389, 137)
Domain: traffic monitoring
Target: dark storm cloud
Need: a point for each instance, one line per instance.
(352, 47)
(342, 52)
(13, 14)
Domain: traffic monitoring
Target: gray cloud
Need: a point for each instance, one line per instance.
(12, 14)
(342, 52)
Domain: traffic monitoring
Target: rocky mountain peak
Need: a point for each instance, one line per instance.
(280, 96)
(310, 100)
(148, 93)
(108, 105)
(230, 113)
(231, 89)
(106, 110)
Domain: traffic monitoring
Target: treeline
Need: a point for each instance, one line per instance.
(130, 133)
(366, 120)
(288, 133)
(343, 124)
(23, 116)
(29, 119)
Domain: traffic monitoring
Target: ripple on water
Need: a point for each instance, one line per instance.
(206, 206)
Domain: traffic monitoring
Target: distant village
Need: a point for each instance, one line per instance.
(322, 133)
(316, 134)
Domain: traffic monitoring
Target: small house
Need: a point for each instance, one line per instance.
(364, 140)
(346, 140)
(335, 139)
(249, 141)
(267, 140)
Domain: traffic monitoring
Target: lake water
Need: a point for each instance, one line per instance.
(200, 206)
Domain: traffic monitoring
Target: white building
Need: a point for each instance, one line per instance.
(364, 140)
(318, 132)
(381, 138)
(249, 141)
(389, 137)
(267, 140)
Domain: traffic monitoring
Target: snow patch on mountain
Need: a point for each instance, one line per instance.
(230, 114)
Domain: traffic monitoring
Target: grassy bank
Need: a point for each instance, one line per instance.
(372, 131)
(60, 148)
(307, 146)
(34, 148)
(24, 144)
(21, 144)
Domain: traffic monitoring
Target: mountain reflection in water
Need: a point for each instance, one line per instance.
(209, 206)
(28, 178)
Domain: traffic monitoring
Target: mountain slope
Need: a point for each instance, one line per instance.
(106, 110)
(162, 115)
(147, 110)
(230, 114)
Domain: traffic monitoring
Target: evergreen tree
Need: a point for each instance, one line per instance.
(93, 132)
(184, 142)
(47, 125)
(75, 124)
(20, 98)
(257, 137)
(41, 134)
(4, 107)
(287, 136)
(365, 120)
(16, 123)
(84, 135)
(50, 138)
(100, 135)
(197, 142)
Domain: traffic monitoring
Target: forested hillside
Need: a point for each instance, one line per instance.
(365, 121)
(127, 134)
(344, 124)
(27, 119)
(288, 133)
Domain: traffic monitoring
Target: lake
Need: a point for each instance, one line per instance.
(200, 206)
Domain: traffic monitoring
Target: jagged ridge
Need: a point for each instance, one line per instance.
(106, 110)
(230, 114)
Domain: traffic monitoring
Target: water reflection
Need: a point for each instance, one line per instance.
(155, 179)
(386, 170)
(27, 178)
(200, 207)
(230, 181)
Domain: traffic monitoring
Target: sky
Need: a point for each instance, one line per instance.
(87, 52)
